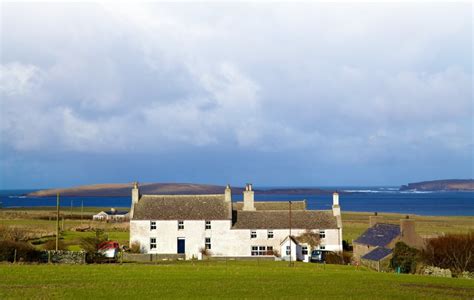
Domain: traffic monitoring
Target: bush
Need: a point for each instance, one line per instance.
(346, 246)
(135, 247)
(453, 251)
(404, 258)
(24, 251)
(14, 234)
(334, 258)
(205, 252)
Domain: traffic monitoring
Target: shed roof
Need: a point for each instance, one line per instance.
(378, 254)
(274, 205)
(116, 212)
(278, 219)
(380, 234)
(182, 207)
(292, 238)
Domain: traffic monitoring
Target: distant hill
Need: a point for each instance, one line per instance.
(123, 190)
(441, 185)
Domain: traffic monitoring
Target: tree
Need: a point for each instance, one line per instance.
(311, 238)
(452, 251)
(404, 258)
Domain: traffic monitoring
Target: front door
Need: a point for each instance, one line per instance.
(181, 245)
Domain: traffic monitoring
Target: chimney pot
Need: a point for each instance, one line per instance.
(248, 198)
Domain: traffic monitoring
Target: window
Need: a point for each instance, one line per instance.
(270, 234)
(304, 250)
(270, 250)
(261, 250)
(152, 243)
(152, 225)
(253, 234)
(254, 251)
(322, 234)
(180, 225)
(321, 247)
(208, 224)
(207, 243)
(288, 250)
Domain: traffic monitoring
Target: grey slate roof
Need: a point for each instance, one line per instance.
(116, 212)
(278, 219)
(380, 234)
(378, 254)
(182, 207)
(274, 205)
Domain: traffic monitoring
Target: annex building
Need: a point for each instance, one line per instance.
(187, 224)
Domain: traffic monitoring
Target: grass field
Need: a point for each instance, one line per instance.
(219, 279)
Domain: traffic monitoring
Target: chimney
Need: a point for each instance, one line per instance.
(407, 229)
(248, 198)
(228, 194)
(135, 197)
(374, 219)
(336, 209)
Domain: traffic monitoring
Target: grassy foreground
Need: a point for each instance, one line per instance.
(221, 280)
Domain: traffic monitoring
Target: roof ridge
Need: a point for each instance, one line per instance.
(274, 201)
(183, 195)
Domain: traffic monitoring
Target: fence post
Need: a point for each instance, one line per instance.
(49, 256)
(14, 256)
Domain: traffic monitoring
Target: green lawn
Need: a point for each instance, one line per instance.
(221, 280)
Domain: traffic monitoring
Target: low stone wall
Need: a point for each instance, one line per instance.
(436, 272)
(63, 257)
(137, 257)
(266, 258)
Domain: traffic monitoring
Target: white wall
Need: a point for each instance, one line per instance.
(224, 240)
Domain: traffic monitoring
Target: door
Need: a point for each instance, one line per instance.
(181, 245)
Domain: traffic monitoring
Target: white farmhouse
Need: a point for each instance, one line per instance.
(186, 224)
(112, 215)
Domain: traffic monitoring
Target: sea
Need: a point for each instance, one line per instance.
(358, 199)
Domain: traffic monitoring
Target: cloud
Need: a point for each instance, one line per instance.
(340, 83)
(17, 78)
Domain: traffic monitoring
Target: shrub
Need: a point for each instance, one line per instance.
(13, 234)
(275, 253)
(135, 247)
(453, 251)
(205, 252)
(334, 258)
(24, 251)
(404, 258)
(346, 246)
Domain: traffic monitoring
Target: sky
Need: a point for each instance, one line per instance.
(277, 94)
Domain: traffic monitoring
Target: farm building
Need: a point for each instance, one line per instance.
(374, 247)
(112, 215)
(187, 224)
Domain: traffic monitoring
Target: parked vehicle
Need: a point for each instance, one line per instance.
(109, 249)
(318, 256)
